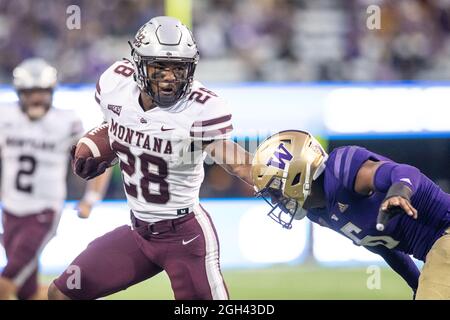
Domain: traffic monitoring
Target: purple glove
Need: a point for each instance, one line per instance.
(87, 168)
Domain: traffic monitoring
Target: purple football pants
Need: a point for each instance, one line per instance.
(186, 248)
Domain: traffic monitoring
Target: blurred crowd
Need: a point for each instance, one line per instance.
(328, 40)
(38, 28)
(245, 40)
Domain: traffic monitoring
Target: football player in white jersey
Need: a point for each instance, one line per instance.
(34, 143)
(162, 124)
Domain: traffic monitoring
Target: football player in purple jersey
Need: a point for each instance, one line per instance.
(390, 208)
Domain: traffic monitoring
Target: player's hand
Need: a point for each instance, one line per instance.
(391, 207)
(88, 168)
(84, 209)
(402, 203)
(72, 152)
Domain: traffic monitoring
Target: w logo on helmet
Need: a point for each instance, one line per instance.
(279, 157)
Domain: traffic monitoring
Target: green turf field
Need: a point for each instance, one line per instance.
(287, 283)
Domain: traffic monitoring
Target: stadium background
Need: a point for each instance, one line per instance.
(281, 64)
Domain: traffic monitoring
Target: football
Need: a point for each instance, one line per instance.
(95, 143)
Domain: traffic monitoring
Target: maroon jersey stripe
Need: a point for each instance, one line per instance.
(97, 87)
(212, 133)
(211, 122)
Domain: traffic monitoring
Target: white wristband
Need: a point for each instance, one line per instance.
(92, 197)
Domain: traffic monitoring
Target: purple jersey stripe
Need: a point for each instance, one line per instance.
(337, 162)
(348, 162)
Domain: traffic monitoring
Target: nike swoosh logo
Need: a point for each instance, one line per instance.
(189, 241)
(164, 129)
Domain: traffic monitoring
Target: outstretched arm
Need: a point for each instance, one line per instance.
(232, 157)
(400, 263)
(398, 181)
(95, 191)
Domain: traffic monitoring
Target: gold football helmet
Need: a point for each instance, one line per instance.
(283, 169)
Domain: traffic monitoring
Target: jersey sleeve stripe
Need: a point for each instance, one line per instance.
(212, 133)
(97, 98)
(348, 161)
(211, 122)
(337, 163)
(212, 127)
(97, 87)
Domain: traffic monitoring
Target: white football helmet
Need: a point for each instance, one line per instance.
(34, 80)
(34, 73)
(164, 40)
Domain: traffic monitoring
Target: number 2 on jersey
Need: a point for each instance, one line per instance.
(27, 168)
(202, 95)
(129, 167)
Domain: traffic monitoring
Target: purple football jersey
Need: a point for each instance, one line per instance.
(354, 215)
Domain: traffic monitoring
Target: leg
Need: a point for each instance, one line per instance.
(55, 294)
(24, 240)
(193, 267)
(110, 263)
(7, 289)
(434, 281)
(31, 290)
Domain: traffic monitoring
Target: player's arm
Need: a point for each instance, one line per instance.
(232, 157)
(398, 181)
(400, 263)
(95, 191)
(87, 168)
(213, 127)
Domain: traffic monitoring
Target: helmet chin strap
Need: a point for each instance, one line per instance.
(300, 213)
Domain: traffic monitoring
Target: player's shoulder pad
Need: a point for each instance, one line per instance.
(345, 162)
(68, 119)
(119, 72)
(10, 112)
(66, 115)
(208, 103)
(213, 118)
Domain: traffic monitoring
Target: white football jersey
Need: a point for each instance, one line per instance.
(35, 155)
(160, 150)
